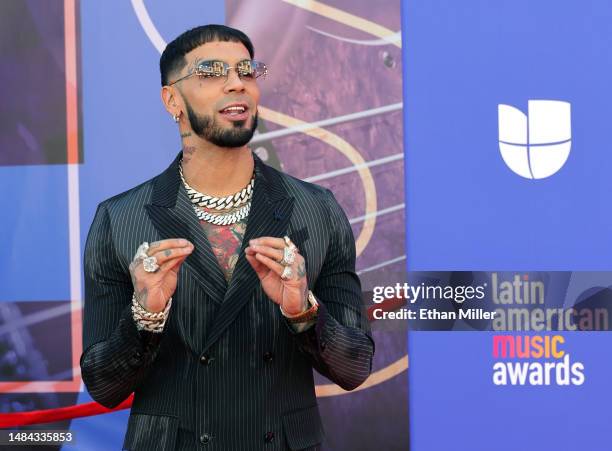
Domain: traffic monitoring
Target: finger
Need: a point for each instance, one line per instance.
(260, 269)
(167, 254)
(271, 264)
(173, 265)
(274, 254)
(141, 274)
(277, 243)
(167, 244)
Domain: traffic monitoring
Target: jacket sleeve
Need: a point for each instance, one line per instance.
(116, 355)
(339, 345)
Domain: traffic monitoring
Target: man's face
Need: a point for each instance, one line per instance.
(221, 111)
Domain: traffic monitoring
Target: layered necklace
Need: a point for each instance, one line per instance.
(237, 205)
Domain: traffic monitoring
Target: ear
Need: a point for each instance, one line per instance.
(171, 100)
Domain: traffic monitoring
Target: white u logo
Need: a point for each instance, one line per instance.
(536, 145)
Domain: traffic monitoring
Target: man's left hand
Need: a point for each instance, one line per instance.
(265, 254)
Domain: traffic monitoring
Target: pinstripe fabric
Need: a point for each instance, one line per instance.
(228, 372)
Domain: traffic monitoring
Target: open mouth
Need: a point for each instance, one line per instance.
(235, 112)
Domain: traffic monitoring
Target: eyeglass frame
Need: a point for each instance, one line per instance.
(226, 67)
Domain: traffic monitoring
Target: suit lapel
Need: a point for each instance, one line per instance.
(172, 215)
(270, 213)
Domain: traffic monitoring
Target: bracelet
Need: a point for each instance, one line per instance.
(306, 315)
(149, 321)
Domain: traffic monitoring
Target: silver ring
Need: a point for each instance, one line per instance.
(287, 273)
(288, 255)
(141, 252)
(150, 264)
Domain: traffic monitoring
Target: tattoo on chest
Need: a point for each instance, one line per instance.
(226, 242)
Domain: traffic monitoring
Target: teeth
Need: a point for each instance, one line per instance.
(238, 109)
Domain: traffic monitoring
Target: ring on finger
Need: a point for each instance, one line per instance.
(288, 255)
(141, 252)
(150, 264)
(289, 243)
(287, 273)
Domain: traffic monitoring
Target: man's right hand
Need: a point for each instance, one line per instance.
(153, 289)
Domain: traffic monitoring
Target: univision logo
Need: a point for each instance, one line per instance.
(536, 145)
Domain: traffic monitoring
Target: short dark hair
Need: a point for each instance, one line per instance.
(173, 56)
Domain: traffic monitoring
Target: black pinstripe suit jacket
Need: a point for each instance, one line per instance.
(228, 372)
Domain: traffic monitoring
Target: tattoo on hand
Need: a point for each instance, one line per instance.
(141, 297)
(167, 252)
(301, 270)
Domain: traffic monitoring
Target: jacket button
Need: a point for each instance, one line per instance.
(268, 357)
(205, 438)
(205, 359)
(269, 437)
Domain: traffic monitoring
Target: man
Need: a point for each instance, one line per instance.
(214, 308)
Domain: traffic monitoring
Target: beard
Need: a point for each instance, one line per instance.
(207, 127)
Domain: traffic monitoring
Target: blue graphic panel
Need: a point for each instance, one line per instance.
(466, 208)
(34, 226)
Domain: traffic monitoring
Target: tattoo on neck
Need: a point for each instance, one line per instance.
(185, 134)
(188, 152)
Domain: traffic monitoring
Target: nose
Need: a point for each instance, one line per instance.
(233, 82)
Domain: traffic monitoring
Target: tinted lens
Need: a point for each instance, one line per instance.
(212, 69)
(245, 69)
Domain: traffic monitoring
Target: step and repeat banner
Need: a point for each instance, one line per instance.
(331, 113)
(466, 141)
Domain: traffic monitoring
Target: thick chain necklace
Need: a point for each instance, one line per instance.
(199, 201)
(219, 203)
(224, 219)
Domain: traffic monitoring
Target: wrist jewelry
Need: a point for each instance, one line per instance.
(149, 321)
(306, 315)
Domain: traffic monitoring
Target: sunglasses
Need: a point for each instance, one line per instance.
(217, 70)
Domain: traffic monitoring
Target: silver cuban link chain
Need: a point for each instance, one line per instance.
(200, 201)
(219, 203)
(224, 219)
